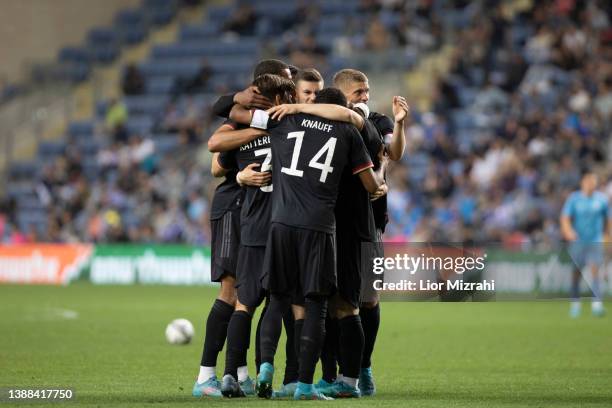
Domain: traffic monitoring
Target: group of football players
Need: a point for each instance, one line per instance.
(302, 203)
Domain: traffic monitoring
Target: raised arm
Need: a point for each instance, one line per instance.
(250, 98)
(397, 145)
(327, 111)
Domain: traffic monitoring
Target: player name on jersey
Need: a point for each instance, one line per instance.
(315, 124)
(260, 141)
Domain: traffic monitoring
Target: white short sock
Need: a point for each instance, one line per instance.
(206, 373)
(597, 305)
(350, 381)
(243, 373)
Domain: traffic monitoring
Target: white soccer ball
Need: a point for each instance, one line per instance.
(179, 331)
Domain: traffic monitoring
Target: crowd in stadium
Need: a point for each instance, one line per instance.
(527, 101)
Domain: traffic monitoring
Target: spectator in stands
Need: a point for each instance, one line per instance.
(242, 21)
(115, 120)
(133, 82)
(197, 84)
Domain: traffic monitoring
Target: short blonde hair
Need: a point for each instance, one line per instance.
(347, 76)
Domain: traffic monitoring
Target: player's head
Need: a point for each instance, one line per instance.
(332, 96)
(353, 84)
(276, 88)
(588, 182)
(272, 66)
(308, 82)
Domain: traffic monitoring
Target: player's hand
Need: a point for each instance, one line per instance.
(382, 190)
(400, 108)
(571, 235)
(251, 177)
(280, 111)
(251, 98)
(383, 156)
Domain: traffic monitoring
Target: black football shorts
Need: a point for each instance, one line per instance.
(299, 262)
(248, 275)
(225, 243)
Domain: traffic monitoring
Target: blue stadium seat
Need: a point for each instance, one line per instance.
(50, 149)
(160, 85)
(85, 127)
(275, 10)
(23, 170)
(245, 47)
(146, 104)
(165, 143)
(219, 13)
(74, 54)
(199, 32)
(141, 125)
(338, 6)
(101, 36)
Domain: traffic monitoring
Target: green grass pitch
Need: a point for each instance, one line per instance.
(108, 344)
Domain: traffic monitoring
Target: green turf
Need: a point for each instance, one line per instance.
(428, 354)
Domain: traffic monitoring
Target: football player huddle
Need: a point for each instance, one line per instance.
(301, 204)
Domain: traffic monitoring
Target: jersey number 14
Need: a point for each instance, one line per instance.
(325, 167)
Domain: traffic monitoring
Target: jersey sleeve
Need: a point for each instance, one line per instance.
(231, 123)
(384, 125)
(359, 157)
(223, 106)
(227, 160)
(372, 141)
(568, 207)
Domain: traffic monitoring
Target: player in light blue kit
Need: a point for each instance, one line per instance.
(585, 219)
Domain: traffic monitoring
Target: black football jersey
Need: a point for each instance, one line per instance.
(385, 129)
(256, 205)
(309, 155)
(228, 195)
(354, 212)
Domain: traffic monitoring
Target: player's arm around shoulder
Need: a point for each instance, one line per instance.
(323, 110)
(227, 137)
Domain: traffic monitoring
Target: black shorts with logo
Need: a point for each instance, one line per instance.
(299, 262)
(225, 244)
(248, 275)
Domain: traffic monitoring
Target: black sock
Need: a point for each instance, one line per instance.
(258, 338)
(216, 331)
(370, 320)
(351, 340)
(329, 351)
(298, 325)
(311, 340)
(291, 363)
(271, 327)
(238, 339)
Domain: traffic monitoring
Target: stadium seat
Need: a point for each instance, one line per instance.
(145, 105)
(81, 128)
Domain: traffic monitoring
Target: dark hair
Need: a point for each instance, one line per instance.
(269, 66)
(331, 95)
(308, 75)
(272, 85)
(294, 70)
